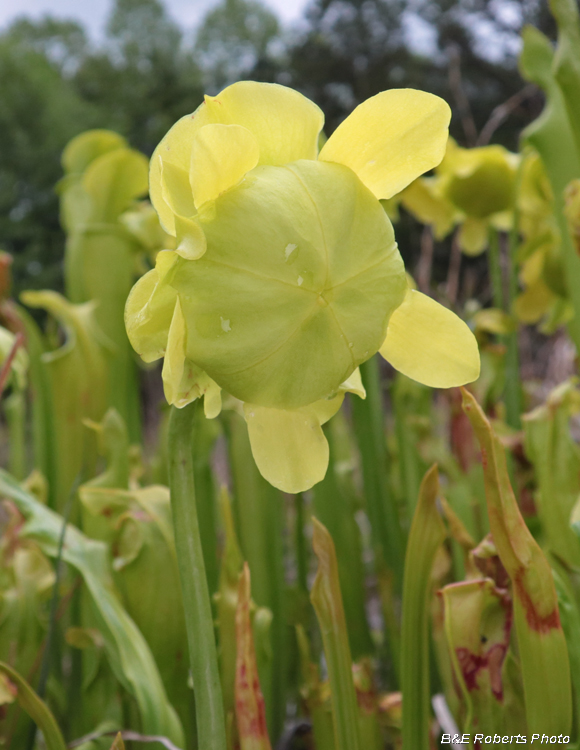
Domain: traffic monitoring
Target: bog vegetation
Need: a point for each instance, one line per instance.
(284, 524)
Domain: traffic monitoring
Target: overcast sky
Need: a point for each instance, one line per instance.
(93, 13)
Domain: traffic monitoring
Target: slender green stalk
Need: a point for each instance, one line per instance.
(495, 274)
(513, 383)
(388, 539)
(334, 507)
(512, 391)
(196, 601)
(301, 552)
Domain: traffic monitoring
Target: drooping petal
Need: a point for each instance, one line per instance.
(184, 381)
(191, 242)
(148, 313)
(221, 156)
(175, 150)
(174, 361)
(422, 200)
(289, 447)
(296, 287)
(391, 139)
(175, 191)
(326, 408)
(473, 236)
(430, 344)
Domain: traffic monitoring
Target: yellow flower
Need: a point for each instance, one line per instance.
(480, 183)
(286, 273)
(472, 187)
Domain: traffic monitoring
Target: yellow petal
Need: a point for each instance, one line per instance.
(212, 400)
(148, 313)
(423, 201)
(174, 150)
(532, 304)
(173, 364)
(191, 241)
(285, 123)
(353, 384)
(391, 139)
(430, 344)
(325, 408)
(184, 381)
(289, 447)
(221, 156)
(176, 191)
(473, 236)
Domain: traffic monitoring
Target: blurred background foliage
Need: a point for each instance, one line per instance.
(147, 71)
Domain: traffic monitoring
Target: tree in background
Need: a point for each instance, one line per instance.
(143, 78)
(463, 50)
(232, 40)
(40, 112)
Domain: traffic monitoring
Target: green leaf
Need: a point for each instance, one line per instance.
(37, 709)
(77, 373)
(478, 619)
(553, 138)
(556, 457)
(541, 644)
(327, 602)
(128, 652)
(567, 59)
(426, 536)
(88, 146)
(335, 506)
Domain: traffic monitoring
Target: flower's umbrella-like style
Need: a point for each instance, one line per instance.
(286, 275)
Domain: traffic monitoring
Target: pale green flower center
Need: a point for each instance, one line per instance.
(296, 288)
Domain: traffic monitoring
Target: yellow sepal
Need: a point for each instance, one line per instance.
(430, 344)
(391, 139)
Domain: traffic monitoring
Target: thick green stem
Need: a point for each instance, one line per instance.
(196, 601)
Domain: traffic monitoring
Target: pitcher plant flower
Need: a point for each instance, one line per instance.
(472, 187)
(286, 275)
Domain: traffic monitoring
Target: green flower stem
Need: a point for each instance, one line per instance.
(196, 601)
(512, 391)
(388, 538)
(368, 415)
(301, 551)
(495, 274)
(513, 383)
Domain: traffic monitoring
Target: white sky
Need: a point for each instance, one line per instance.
(93, 13)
